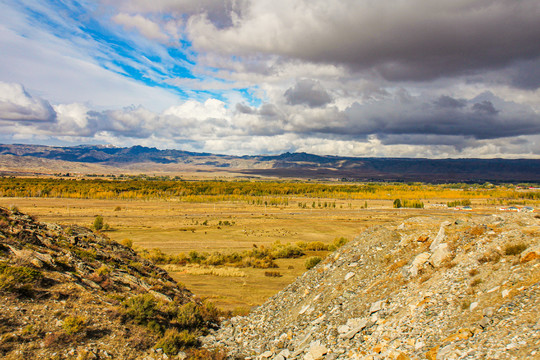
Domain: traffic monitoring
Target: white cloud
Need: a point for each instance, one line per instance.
(16, 104)
(146, 27)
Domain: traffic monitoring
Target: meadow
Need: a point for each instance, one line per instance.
(180, 218)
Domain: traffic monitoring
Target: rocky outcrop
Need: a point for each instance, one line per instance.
(395, 294)
(64, 290)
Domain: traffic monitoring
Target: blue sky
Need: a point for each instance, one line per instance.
(398, 78)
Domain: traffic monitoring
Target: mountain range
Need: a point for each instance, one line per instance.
(20, 158)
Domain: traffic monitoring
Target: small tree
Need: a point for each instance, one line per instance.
(397, 203)
(98, 223)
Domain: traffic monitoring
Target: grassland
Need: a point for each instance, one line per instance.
(236, 222)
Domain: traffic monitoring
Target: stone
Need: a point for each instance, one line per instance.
(440, 254)
(349, 275)
(473, 306)
(403, 356)
(316, 352)
(418, 263)
(530, 255)
(462, 334)
(266, 355)
(432, 353)
(342, 329)
(505, 293)
(376, 306)
(359, 325)
(438, 239)
(484, 322)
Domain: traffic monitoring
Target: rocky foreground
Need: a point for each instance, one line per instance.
(468, 288)
(69, 293)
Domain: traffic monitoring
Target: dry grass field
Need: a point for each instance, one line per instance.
(174, 227)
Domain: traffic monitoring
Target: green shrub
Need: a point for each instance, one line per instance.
(337, 243)
(74, 324)
(272, 274)
(13, 278)
(189, 316)
(515, 249)
(173, 341)
(312, 261)
(98, 222)
(286, 252)
(316, 246)
(140, 308)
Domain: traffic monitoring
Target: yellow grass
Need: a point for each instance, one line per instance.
(175, 227)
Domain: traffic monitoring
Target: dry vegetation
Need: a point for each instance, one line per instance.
(209, 235)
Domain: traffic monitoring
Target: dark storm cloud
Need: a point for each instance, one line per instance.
(400, 40)
(485, 107)
(307, 92)
(449, 102)
(485, 117)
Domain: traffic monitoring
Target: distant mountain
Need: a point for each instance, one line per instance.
(291, 165)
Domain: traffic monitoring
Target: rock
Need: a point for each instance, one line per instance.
(530, 255)
(473, 306)
(422, 238)
(316, 352)
(484, 323)
(266, 355)
(403, 356)
(460, 335)
(342, 329)
(440, 254)
(505, 293)
(439, 238)
(349, 275)
(418, 263)
(376, 306)
(432, 353)
(285, 353)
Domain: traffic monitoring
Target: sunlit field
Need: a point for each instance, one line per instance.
(179, 225)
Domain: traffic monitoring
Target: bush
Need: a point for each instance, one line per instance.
(515, 249)
(14, 278)
(272, 274)
(140, 308)
(312, 261)
(337, 243)
(189, 316)
(173, 341)
(74, 324)
(98, 222)
(286, 252)
(316, 246)
(127, 242)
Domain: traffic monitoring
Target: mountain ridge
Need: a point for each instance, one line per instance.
(292, 165)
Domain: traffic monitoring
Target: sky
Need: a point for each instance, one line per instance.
(364, 78)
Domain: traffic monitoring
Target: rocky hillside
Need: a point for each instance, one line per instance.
(68, 293)
(435, 288)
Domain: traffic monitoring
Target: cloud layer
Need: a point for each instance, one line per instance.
(360, 78)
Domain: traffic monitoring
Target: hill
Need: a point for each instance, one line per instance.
(69, 293)
(429, 289)
(87, 159)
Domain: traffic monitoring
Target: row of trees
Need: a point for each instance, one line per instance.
(249, 191)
